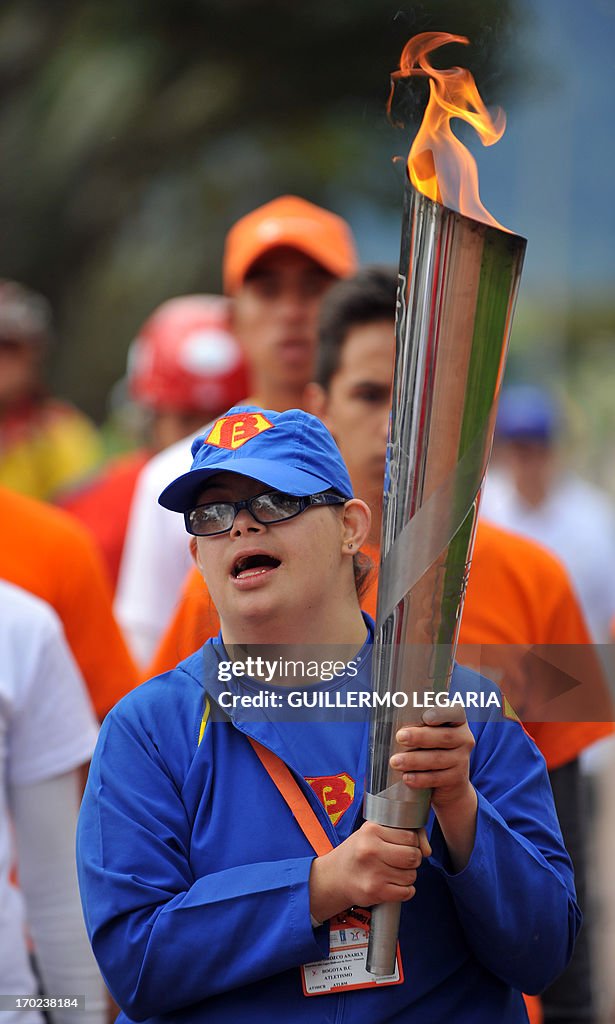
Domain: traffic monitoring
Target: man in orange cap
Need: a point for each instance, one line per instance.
(279, 260)
(291, 223)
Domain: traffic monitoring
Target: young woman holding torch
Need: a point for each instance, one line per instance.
(218, 859)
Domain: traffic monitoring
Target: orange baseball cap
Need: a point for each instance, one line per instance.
(293, 222)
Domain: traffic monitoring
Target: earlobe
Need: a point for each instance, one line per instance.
(357, 521)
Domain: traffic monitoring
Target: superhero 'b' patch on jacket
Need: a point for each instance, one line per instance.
(335, 792)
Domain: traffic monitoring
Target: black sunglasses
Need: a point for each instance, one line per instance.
(273, 507)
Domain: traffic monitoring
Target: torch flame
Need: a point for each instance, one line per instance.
(439, 164)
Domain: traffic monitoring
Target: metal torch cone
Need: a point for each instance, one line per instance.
(458, 281)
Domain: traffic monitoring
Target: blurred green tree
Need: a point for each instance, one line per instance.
(133, 134)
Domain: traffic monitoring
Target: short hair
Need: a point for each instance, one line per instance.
(366, 298)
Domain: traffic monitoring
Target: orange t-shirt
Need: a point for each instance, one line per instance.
(518, 594)
(43, 550)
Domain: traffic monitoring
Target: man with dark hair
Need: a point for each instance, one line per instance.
(353, 375)
(367, 298)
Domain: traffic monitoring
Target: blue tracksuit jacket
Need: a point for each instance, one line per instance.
(194, 874)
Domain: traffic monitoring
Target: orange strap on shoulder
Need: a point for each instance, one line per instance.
(296, 800)
(533, 1006)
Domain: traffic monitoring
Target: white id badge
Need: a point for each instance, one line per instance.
(345, 967)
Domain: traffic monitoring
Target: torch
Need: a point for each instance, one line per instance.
(458, 280)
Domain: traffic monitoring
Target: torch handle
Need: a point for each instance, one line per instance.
(383, 934)
(382, 947)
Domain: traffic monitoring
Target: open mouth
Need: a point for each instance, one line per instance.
(253, 565)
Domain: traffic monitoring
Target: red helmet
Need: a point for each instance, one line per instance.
(185, 358)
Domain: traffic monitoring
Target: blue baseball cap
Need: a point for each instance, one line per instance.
(290, 451)
(526, 413)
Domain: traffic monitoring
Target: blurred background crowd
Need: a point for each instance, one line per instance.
(133, 137)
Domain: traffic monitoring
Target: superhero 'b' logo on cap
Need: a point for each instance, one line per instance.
(233, 431)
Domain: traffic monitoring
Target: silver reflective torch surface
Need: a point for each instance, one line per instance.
(458, 283)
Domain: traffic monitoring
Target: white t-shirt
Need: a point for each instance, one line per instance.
(156, 556)
(577, 522)
(47, 727)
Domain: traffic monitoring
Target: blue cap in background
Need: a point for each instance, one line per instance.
(526, 413)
